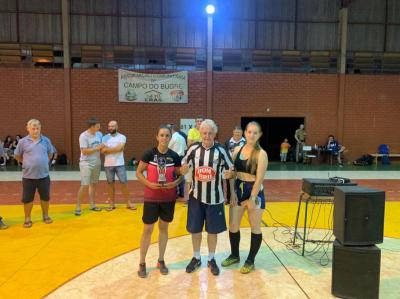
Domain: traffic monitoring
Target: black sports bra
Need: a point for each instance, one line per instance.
(241, 165)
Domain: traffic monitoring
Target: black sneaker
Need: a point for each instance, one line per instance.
(213, 267)
(142, 270)
(193, 265)
(162, 267)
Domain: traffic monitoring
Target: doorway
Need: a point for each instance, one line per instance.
(275, 129)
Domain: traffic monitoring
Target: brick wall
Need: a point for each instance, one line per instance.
(372, 113)
(371, 117)
(95, 93)
(32, 93)
(313, 97)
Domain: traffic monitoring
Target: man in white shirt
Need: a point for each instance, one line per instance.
(114, 164)
(178, 145)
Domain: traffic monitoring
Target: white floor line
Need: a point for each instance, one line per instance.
(11, 176)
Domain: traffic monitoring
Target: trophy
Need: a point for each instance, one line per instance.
(161, 169)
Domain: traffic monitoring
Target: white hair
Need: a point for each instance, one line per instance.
(33, 122)
(210, 123)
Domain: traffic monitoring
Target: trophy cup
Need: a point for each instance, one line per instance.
(161, 169)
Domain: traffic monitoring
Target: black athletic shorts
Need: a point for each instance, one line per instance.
(154, 210)
(29, 187)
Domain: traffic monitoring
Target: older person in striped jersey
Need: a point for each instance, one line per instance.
(209, 163)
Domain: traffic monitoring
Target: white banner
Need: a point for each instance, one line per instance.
(152, 88)
(187, 124)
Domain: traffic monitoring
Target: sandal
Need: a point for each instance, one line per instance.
(28, 224)
(131, 207)
(96, 209)
(47, 220)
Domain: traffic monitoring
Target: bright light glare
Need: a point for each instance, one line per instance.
(210, 9)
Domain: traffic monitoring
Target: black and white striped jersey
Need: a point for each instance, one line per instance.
(207, 166)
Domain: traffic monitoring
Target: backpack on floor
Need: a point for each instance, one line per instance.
(364, 160)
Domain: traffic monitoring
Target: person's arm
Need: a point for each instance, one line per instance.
(262, 165)
(89, 151)
(111, 150)
(186, 162)
(18, 154)
(139, 174)
(231, 182)
(295, 137)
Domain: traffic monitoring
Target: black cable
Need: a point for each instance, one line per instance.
(283, 265)
(324, 246)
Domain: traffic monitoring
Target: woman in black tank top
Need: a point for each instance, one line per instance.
(251, 163)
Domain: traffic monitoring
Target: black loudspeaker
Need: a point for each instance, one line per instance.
(358, 215)
(355, 271)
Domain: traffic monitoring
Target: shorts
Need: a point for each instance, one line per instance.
(120, 171)
(212, 215)
(243, 192)
(89, 174)
(154, 210)
(29, 187)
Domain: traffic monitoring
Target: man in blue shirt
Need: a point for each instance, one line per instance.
(34, 152)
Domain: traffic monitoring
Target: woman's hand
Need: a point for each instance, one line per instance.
(154, 185)
(254, 202)
(233, 199)
(169, 185)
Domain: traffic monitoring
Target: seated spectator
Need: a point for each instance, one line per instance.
(336, 148)
(15, 142)
(3, 154)
(8, 142)
(8, 146)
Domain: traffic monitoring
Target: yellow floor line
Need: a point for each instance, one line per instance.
(36, 261)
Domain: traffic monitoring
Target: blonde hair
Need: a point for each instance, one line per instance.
(253, 159)
(32, 122)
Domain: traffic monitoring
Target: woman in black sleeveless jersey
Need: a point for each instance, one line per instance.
(251, 163)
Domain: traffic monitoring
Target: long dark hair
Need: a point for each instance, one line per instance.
(252, 161)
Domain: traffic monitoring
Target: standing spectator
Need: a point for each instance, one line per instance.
(206, 199)
(194, 133)
(335, 148)
(251, 163)
(237, 139)
(34, 152)
(163, 167)
(284, 149)
(193, 137)
(89, 164)
(114, 164)
(2, 224)
(300, 136)
(178, 145)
